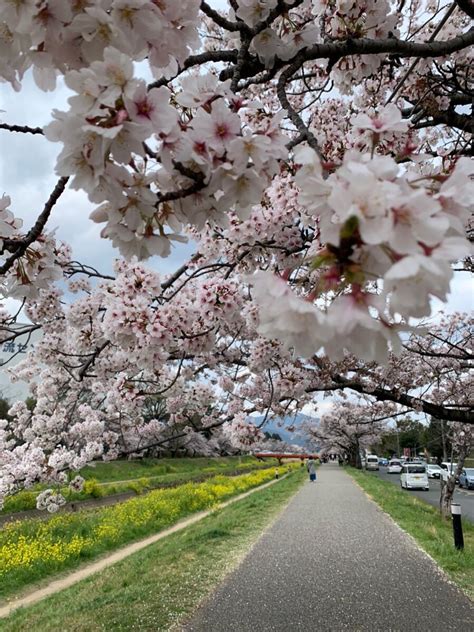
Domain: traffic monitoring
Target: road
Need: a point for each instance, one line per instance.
(334, 561)
(462, 496)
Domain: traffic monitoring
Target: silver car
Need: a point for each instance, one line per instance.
(466, 478)
(394, 467)
(372, 462)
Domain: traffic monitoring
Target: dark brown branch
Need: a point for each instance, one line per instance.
(24, 129)
(415, 403)
(221, 21)
(199, 182)
(304, 132)
(38, 227)
(333, 51)
(467, 6)
(463, 122)
(91, 360)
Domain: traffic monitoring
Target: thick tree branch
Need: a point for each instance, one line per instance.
(333, 51)
(467, 6)
(415, 403)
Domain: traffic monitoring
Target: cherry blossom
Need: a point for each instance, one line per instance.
(315, 152)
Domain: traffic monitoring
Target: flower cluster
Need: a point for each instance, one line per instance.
(53, 36)
(197, 167)
(50, 500)
(9, 224)
(377, 221)
(241, 432)
(344, 19)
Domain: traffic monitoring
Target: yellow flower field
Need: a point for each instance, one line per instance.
(32, 549)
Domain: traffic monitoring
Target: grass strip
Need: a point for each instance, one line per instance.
(424, 523)
(121, 470)
(153, 589)
(93, 488)
(33, 549)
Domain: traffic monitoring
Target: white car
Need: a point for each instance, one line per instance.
(372, 462)
(448, 469)
(394, 467)
(434, 471)
(414, 476)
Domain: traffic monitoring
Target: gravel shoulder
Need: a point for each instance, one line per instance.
(334, 561)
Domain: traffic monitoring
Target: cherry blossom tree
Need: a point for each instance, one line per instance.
(319, 155)
(462, 438)
(351, 427)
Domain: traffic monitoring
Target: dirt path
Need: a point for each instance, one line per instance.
(117, 556)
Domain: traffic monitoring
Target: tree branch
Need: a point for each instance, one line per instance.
(24, 129)
(467, 6)
(38, 227)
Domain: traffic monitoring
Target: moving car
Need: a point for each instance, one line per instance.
(466, 478)
(414, 476)
(434, 471)
(372, 462)
(394, 467)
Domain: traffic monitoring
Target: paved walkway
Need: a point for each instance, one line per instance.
(333, 561)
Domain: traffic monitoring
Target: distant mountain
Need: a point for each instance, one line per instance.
(272, 425)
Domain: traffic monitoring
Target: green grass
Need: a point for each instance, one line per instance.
(107, 479)
(124, 470)
(424, 523)
(153, 589)
(31, 550)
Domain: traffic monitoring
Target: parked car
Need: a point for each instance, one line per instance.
(414, 476)
(394, 467)
(372, 462)
(383, 461)
(434, 471)
(466, 478)
(449, 468)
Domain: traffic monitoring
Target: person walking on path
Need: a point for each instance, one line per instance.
(311, 466)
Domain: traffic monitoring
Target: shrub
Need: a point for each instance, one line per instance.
(93, 489)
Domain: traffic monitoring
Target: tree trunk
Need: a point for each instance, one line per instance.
(449, 485)
(443, 440)
(354, 456)
(447, 490)
(359, 462)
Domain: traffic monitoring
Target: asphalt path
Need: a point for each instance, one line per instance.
(334, 561)
(463, 496)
